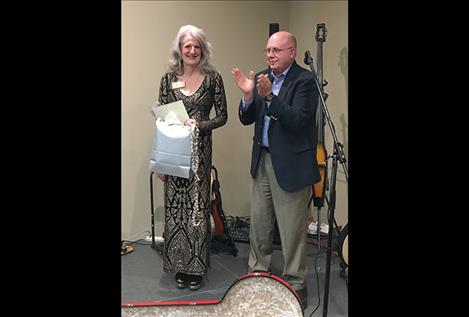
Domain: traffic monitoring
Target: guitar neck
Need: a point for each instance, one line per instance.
(320, 38)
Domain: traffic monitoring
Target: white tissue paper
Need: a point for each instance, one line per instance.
(172, 146)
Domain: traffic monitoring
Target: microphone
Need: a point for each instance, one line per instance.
(273, 27)
(308, 59)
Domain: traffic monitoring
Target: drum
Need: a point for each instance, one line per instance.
(343, 245)
(254, 294)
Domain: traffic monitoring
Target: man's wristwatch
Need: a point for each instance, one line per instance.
(269, 96)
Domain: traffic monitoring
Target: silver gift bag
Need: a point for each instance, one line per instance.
(171, 149)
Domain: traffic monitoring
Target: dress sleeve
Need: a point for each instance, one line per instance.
(221, 114)
(164, 84)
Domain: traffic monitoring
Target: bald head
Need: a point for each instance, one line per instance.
(283, 37)
(280, 51)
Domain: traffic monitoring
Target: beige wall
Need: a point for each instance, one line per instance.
(238, 31)
(304, 17)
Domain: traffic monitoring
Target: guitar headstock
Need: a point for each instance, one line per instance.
(321, 32)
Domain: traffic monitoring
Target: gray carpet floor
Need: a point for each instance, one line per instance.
(144, 280)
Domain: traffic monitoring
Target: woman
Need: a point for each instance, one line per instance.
(192, 79)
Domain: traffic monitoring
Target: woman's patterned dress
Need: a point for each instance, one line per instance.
(187, 231)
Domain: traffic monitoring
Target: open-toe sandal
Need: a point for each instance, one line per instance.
(181, 280)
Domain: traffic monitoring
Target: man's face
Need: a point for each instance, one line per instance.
(279, 53)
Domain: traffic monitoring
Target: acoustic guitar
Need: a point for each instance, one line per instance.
(222, 239)
(217, 209)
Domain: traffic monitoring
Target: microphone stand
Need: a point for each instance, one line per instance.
(337, 155)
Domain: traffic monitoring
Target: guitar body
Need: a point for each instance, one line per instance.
(255, 295)
(217, 208)
(319, 189)
(217, 219)
(222, 240)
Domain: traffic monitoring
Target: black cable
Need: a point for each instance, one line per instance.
(130, 242)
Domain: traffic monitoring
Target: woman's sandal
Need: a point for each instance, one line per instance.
(181, 280)
(194, 282)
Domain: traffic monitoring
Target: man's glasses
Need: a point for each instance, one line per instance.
(275, 50)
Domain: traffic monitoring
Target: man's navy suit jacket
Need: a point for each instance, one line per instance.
(292, 130)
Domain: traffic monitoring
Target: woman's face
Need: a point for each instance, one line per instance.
(190, 51)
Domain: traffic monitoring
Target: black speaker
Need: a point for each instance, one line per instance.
(273, 27)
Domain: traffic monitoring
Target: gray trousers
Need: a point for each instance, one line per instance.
(269, 201)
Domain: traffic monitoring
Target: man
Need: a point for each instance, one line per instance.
(282, 106)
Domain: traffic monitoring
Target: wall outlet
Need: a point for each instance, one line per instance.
(157, 239)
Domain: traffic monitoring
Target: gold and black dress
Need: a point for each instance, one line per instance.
(187, 230)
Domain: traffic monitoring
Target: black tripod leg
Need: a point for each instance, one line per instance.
(160, 246)
(330, 218)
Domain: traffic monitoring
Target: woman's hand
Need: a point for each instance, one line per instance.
(191, 121)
